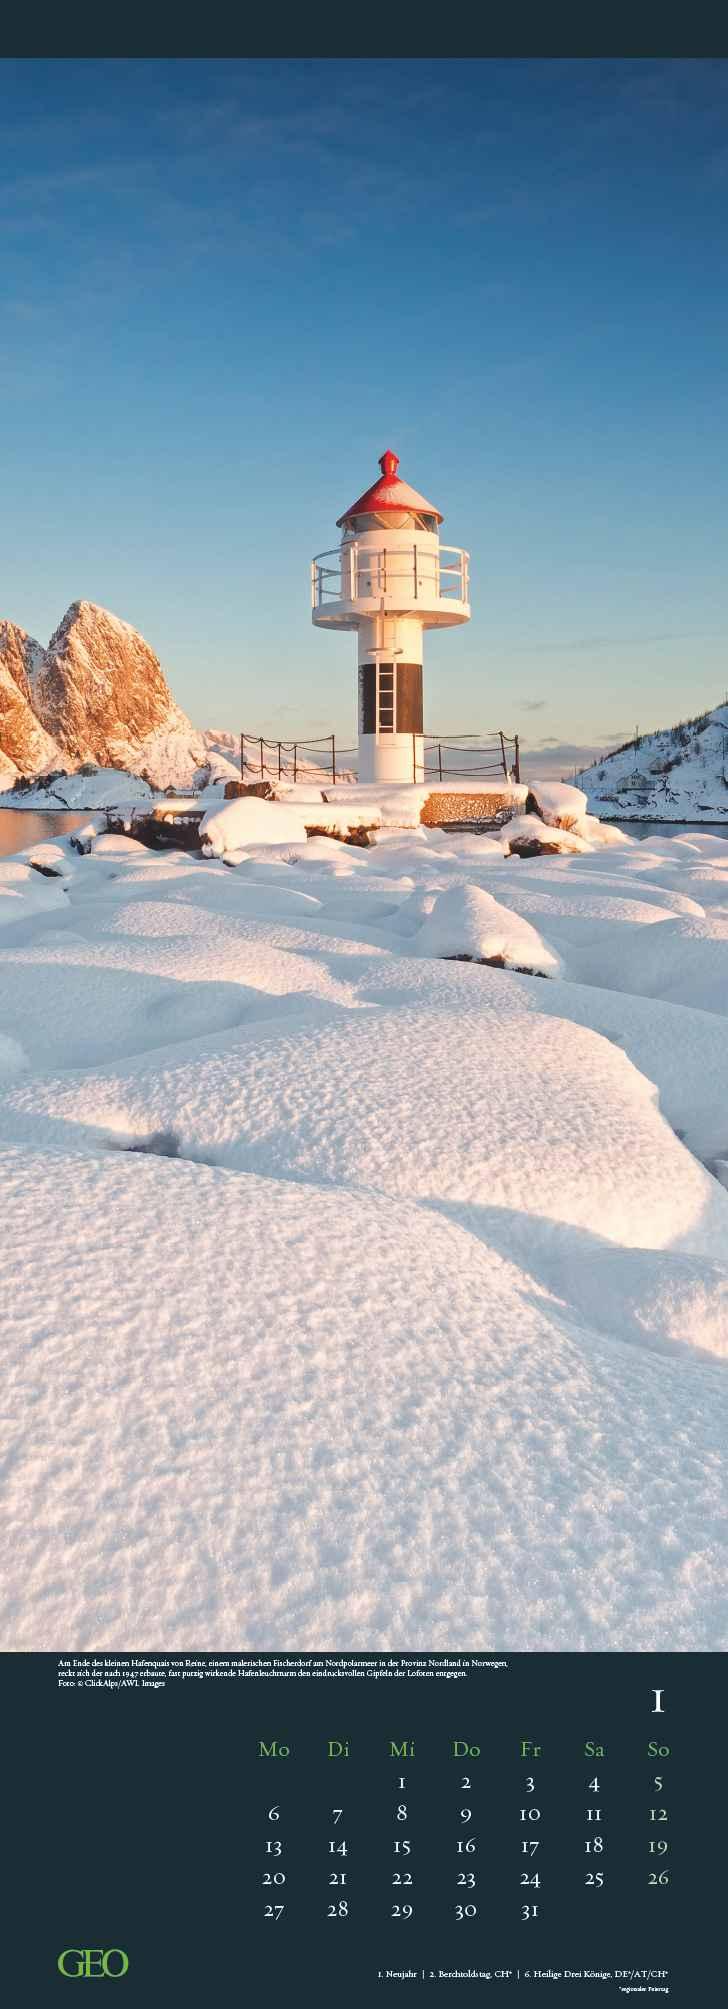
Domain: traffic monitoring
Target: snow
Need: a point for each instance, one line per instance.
(171, 755)
(600, 833)
(361, 1297)
(83, 838)
(109, 844)
(49, 858)
(249, 819)
(103, 788)
(677, 775)
(531, 829)
(340, 816)
(24, 892)
(12, 1056)
(559, 803)
(396, 804)
(467, 921)
(215, 768)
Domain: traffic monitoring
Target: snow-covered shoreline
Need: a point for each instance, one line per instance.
(711, 821)
(677, 775)
(357, 1296)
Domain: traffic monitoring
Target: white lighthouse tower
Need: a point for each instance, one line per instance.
(390, 578)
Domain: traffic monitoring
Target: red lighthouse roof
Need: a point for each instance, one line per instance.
(389, 493)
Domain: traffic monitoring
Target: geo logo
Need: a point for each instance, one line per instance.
(93, 1963)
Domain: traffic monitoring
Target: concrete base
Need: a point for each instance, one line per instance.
(390, 760)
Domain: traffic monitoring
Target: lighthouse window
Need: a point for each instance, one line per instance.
(390, 519)
(386, 697)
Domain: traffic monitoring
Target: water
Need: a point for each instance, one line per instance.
(20, 827)
(638, 829)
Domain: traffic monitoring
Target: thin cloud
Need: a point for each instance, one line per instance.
(552, 757)
(566, 749)
(531, 704)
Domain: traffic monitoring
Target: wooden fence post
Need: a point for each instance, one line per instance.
(242, 756)
(261, 760)
(517, 762)
(333, 759)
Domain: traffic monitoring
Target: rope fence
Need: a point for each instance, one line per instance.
(460, 755)
(447, 756)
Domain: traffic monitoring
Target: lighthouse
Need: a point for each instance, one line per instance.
(390, 579)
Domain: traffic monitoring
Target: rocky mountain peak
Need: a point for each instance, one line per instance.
(23, 742)
(20, 655)
(97, 693)
(101, 689)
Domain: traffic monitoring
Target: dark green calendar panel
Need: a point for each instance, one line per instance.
(247, 1829)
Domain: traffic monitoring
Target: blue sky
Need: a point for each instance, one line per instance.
(230, 284)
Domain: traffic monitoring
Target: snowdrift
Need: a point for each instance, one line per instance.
(414, 1266)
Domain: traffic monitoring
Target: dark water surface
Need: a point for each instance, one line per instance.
(640, 830)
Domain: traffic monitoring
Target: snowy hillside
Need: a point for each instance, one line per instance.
(361, 1297)
(679, 775)
(225, 744)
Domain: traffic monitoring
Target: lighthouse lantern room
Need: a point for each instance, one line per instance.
(390, 578)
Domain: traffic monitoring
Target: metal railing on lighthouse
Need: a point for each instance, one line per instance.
(362, 573)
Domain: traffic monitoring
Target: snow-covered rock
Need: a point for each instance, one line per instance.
(249, 819)
(339, 817)
(468, 921)
(82, 840)
(54, 860)
(559, 803)
(110, 844)
(601, 834)
(529, 835)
